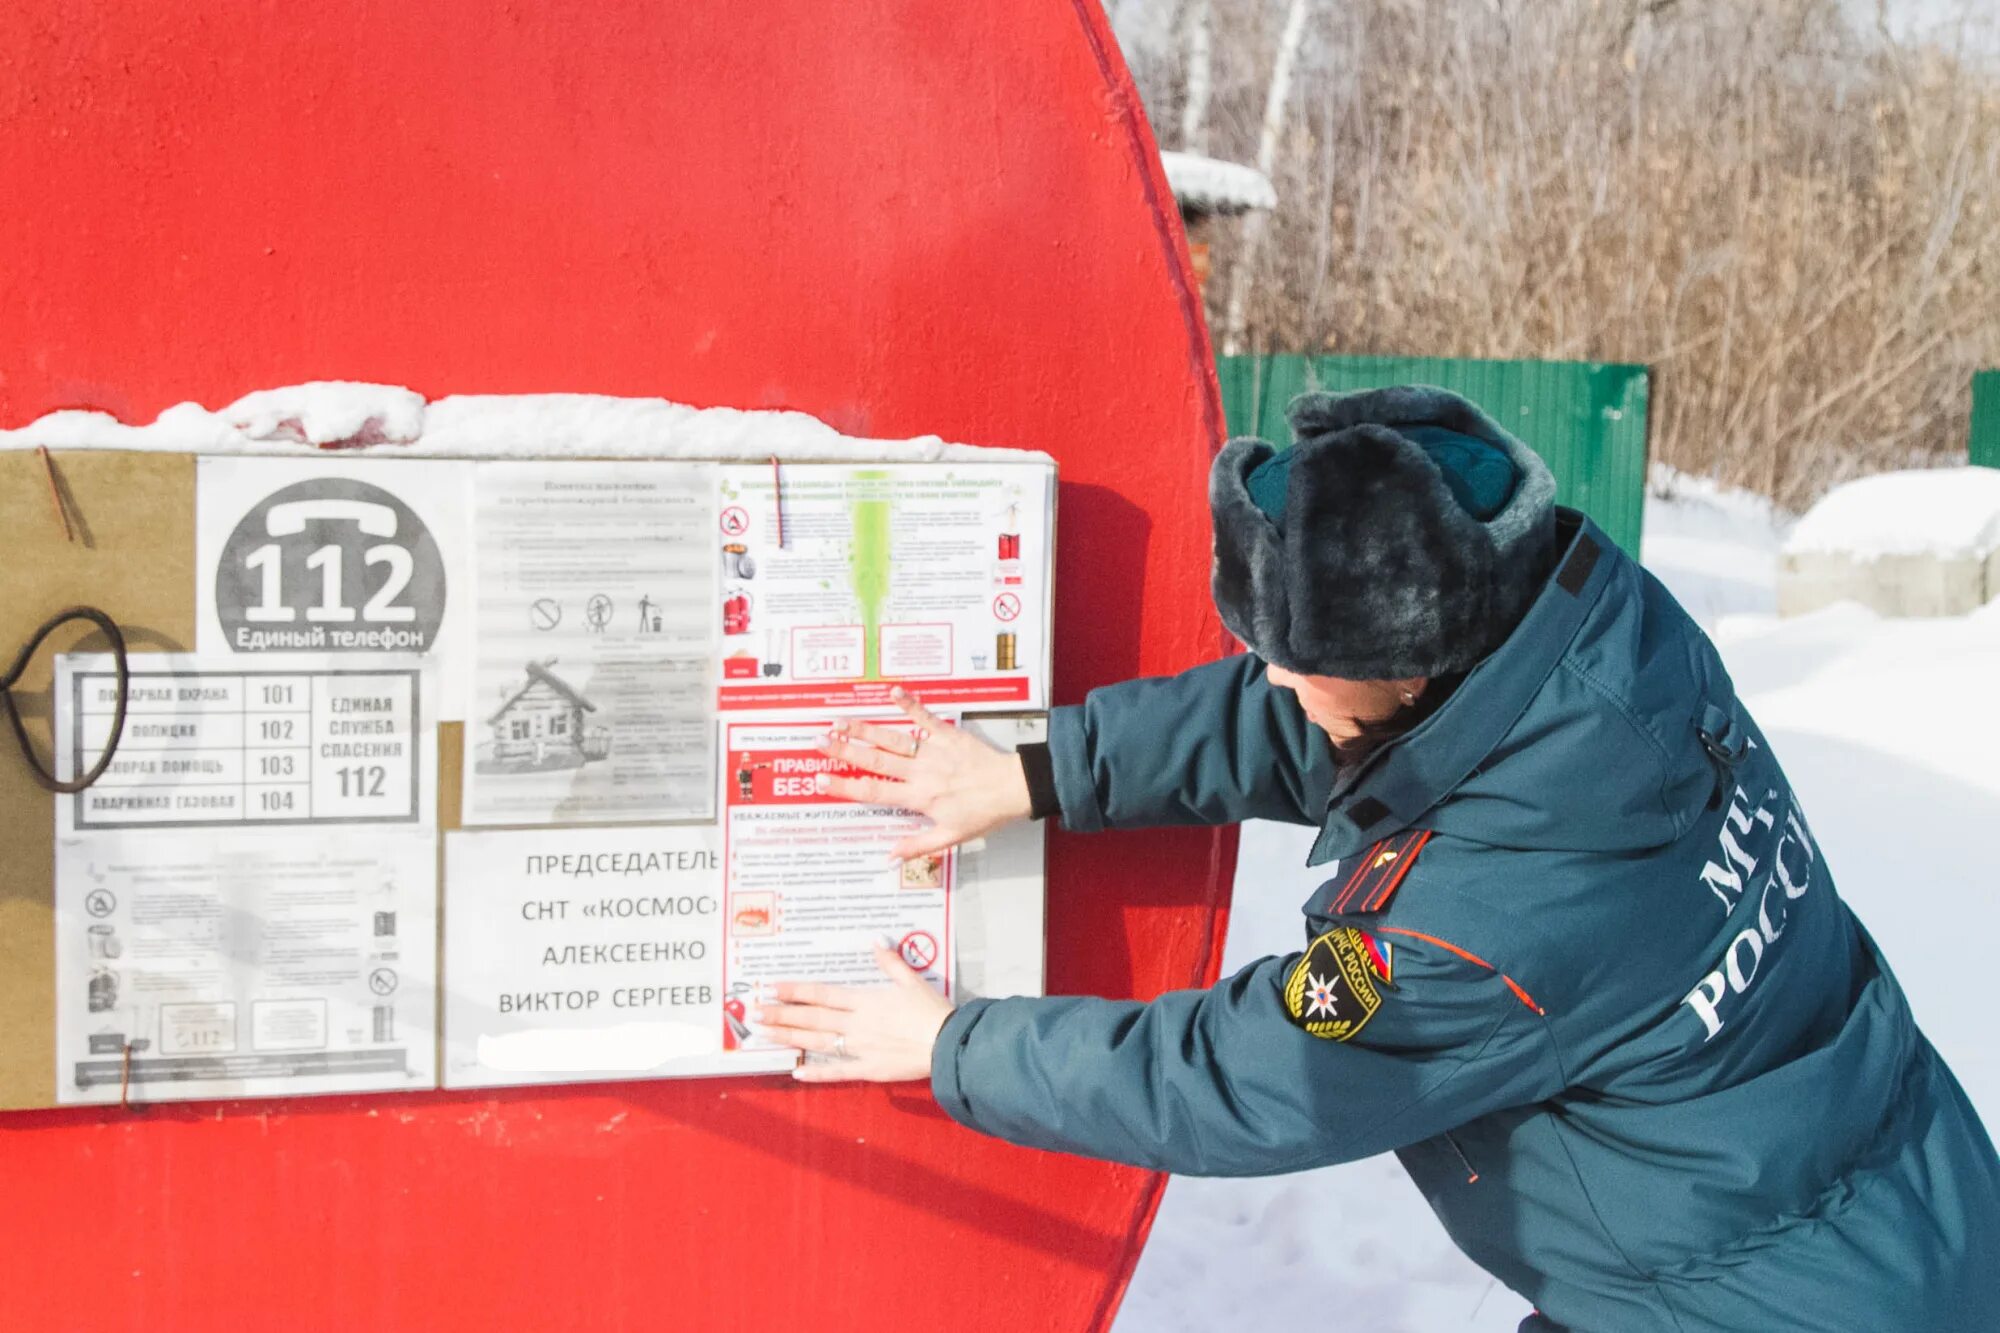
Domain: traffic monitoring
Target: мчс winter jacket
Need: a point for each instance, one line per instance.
(1582, 966)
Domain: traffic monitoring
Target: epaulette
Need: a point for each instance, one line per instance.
(1379, 872)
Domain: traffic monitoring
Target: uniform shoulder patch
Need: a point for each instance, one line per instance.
(1332, 992)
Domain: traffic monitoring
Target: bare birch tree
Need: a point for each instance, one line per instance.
(1276, 99)
(1199, 26)
(1794, 219)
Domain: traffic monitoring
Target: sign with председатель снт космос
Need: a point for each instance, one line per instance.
(577, 954)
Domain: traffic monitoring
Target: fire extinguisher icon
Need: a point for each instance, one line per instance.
(733, 1018)
(1010, 542)
(736, 612)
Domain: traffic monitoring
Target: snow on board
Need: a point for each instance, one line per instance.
(390, 421)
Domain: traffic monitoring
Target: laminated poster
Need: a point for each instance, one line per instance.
(808, 887)
(841, 581)
(336, 555)
(245, 903)
(594, 686)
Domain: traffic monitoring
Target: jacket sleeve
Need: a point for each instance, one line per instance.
(1214, 745)
(1222, 1082)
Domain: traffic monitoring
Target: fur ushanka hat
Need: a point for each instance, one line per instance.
(1404, 534)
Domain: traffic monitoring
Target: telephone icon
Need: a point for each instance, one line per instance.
(290, 518)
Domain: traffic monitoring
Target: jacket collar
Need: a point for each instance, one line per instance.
(1394, 788)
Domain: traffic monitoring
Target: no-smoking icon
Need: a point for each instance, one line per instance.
(919, 950)
(1007, 606)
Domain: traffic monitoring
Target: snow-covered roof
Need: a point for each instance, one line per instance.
(539, 674)
(384, 419)
(1953, 512)
(1210, 185)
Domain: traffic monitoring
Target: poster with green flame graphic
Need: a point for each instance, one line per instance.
(841, 582)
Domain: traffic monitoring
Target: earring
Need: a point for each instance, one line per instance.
(1409, 696)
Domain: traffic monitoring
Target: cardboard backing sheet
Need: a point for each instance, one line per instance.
(132, 557)
(132, 517)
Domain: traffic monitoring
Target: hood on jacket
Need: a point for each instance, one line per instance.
(1584, 731)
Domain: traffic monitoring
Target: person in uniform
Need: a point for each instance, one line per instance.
(1581, 964)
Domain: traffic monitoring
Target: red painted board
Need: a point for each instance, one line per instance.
(902, 217)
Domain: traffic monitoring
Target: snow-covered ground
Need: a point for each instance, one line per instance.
(1951, 512)
(1889, 730)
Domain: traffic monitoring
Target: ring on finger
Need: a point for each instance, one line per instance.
(840, 1046)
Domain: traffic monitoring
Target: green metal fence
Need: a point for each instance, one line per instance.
(1985, 443)
(1586, 419)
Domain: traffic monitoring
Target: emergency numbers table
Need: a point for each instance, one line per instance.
(204, 748)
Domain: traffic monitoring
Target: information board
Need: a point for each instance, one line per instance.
(247, 903)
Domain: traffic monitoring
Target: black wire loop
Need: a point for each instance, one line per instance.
(20, 667)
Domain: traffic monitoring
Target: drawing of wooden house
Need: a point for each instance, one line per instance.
(541, 725)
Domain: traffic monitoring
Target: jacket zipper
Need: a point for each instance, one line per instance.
(1471, 1176)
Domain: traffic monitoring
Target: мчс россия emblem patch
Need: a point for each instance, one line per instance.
(1332, 991)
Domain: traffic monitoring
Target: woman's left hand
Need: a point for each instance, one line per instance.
(882, 1034)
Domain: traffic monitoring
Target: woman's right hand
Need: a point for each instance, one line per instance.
(963, 785)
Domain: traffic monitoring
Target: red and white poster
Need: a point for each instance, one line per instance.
(842, 581)
(808, 886)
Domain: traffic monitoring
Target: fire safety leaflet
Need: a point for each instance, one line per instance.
(593, 677)
(808, 887)
(842, 581)
(245, 902)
